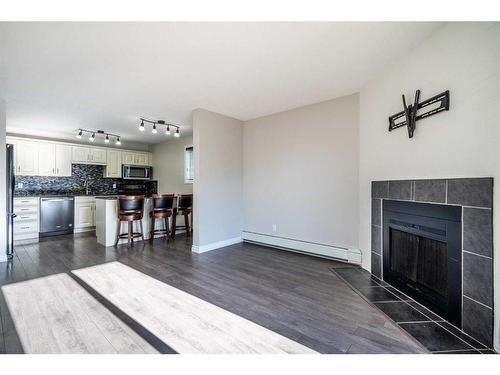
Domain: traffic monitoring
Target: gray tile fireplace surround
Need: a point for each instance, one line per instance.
(475, 196)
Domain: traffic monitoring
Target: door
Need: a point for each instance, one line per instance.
(114, 164)
(47, 161)
(27, 158)
(84, 215)
(128, 157)
(80, 154)
(98, 155)
(63, 160)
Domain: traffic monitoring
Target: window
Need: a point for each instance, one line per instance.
(188, 165)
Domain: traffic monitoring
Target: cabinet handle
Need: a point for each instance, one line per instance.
(53, 170)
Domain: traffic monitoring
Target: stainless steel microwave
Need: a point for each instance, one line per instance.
(136, 172)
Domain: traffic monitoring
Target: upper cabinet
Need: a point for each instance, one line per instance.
(34, 157)
(47, 161)
(88, 155)
(136, 158)
(80, 154)
(114, 164)
(54, 159)
(63, 160)
(26, 158)
(98, 155)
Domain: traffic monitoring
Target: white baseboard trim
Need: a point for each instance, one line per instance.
(83, 230)
(305, 247)
(215, 245)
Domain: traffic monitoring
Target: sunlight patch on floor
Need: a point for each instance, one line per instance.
(184, 322)
(54, 314)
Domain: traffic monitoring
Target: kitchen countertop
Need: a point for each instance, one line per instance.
(41, 195)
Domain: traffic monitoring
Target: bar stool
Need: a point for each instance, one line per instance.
(184, 208)
(130, 209)
(163, 208)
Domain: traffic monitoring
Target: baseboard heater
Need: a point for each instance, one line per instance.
(304, 247)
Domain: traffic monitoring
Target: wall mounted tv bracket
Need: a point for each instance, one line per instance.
(410, 116)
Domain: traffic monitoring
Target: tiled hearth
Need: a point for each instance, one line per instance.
(475, 197)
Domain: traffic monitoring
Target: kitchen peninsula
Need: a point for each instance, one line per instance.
(106, 221)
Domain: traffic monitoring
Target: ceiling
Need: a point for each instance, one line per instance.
(58, 77)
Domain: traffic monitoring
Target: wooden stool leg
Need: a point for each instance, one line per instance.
(119, 227)
(129, 233)
(142, 229)
(174, 225)
(152, 229)
(165, 222)
(186, 223)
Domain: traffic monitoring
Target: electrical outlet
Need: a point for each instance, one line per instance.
(275, 227)
(114, 185)
(20, 185)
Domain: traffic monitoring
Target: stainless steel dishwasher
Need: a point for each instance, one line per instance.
(56, 216)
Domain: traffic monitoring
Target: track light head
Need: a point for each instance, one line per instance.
(177, 134)
(167, 132)
(141, 127)
(154, 131)
(79, 135)
(92, 137)
(118, 142)
(106, 140)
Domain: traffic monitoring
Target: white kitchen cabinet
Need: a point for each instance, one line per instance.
(63, 160)
(84, 213)
(128, 157)
(26, 220)
(46, 159)
(141, 158)
(88, 155)
(114, 164)
(136, 158)
(54, 159)
(80, 154)
(98, 155)
(27, 158)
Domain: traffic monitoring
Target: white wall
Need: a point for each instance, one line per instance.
(463, 142)
(168, 166)
(301, 173)
(217, 187)
(3, 198)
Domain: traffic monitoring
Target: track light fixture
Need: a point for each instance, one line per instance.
(157, 123)
(93, 133)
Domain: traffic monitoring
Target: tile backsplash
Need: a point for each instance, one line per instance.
(74, 185)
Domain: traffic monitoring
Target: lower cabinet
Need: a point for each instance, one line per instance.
(84, 213)
(26, 219)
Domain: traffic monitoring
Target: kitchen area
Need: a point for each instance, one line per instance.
(60, 187)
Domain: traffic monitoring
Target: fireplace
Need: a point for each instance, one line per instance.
(422, 246)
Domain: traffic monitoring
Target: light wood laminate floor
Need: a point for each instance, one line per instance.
(295, 296)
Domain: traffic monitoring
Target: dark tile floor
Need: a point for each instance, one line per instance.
(437, 335)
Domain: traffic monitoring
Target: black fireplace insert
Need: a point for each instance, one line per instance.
(422, 254)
